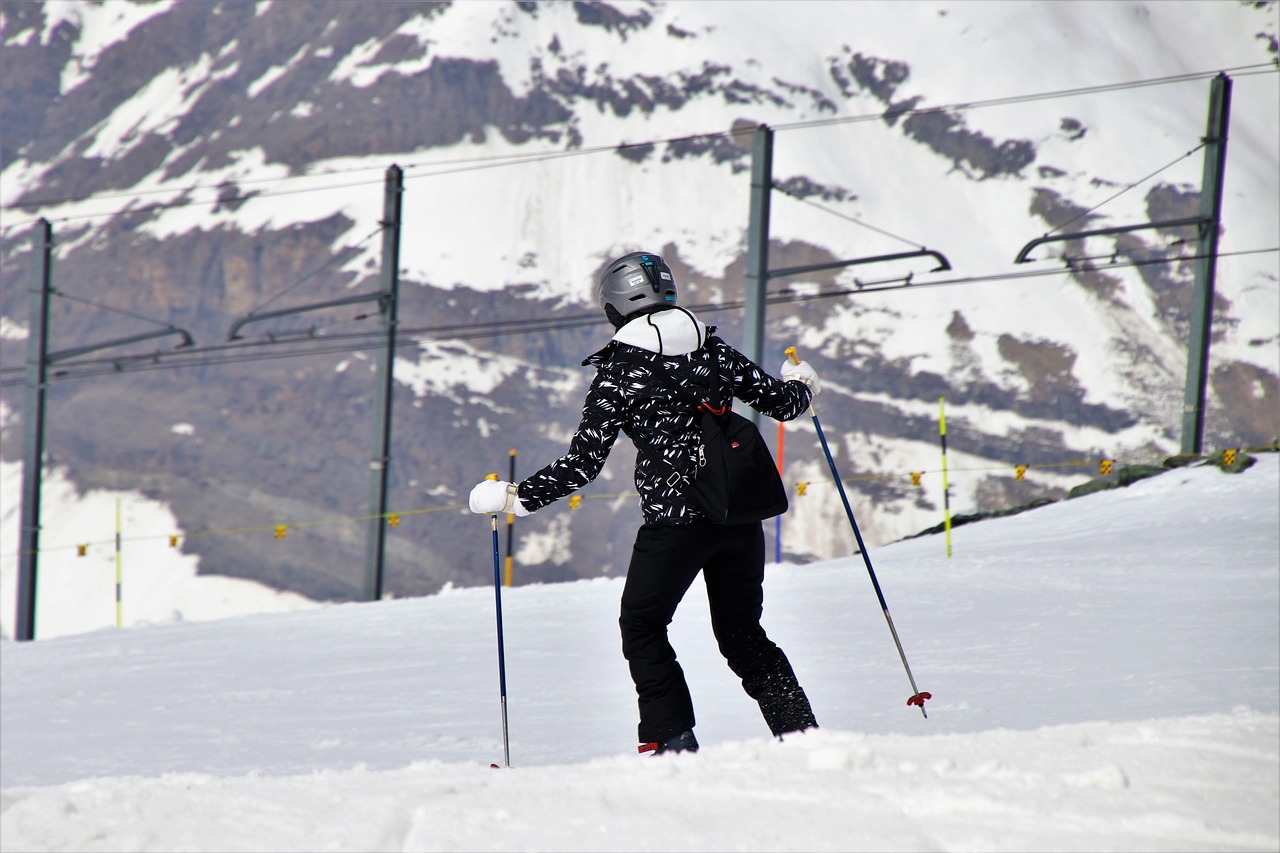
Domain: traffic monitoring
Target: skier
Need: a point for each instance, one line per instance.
(657, 341)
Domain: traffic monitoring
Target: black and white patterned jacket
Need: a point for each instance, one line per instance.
(628, 395)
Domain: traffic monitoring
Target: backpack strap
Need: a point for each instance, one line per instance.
(676, 390)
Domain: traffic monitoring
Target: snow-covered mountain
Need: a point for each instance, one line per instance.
(204, 161)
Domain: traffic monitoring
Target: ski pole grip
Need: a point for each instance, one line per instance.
(494, 519)
(791, 353)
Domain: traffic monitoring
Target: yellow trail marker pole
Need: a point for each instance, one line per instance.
(118, 578)
(917, 695)
(946, 486)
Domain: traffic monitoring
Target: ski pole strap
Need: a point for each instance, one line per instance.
(512, 490)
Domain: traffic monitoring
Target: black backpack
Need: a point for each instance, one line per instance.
(735, 479)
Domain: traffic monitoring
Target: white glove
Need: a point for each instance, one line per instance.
(802, 372)
(495, 496)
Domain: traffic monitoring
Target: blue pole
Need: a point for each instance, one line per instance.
(917, 697)
(502, 663)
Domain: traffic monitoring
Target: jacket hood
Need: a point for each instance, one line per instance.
(673, 331)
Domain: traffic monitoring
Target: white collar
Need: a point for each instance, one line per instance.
(673, 331)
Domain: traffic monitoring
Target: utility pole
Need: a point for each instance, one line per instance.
(375, 542)
(1208, 223)
(33, 426)
(1206, 265)
(758, 247)
(388, 299)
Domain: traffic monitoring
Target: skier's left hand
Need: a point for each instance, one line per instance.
(495, 496)
(801, 372)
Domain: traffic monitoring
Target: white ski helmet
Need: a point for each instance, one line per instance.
(636, 283)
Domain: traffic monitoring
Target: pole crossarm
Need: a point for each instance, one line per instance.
(1199, 221)
(234, 333)
(943, 263)
(62, 355)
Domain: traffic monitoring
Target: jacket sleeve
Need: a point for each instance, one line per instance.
(768, 395)
(602, 416)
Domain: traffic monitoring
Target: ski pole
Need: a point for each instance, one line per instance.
(502, 662)
(918, 697)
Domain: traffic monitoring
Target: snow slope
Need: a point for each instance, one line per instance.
(1104, 671)
(157, 583)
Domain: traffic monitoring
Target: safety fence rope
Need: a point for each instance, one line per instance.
(799, 488)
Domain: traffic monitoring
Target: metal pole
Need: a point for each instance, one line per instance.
(777, 523)
(1215, 164)
(33, 430)
(375, 545)
(758, 248)
(918, 696)
(502, 657)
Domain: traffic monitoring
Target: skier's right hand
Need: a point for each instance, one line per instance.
(494, 496)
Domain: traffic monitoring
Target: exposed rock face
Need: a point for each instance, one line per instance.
(278, 439)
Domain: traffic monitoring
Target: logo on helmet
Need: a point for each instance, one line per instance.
(635, 284)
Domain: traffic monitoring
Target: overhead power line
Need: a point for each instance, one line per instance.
(459, 165)
(335, 260)
(1126, 189)
(304, 344)
(964, 106)
(854, 219)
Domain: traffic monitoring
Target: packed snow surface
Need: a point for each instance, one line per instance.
(1104, 677)
(1078, 81)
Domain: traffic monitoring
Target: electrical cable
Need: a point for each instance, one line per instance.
(847, 217)
(962, 106)
(341, 256)
(1136, 183)
(357, 341)
(108, 308)
(520, 159)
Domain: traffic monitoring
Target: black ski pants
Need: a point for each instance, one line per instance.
(664, 562)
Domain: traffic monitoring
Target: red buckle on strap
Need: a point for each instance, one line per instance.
(648, 747)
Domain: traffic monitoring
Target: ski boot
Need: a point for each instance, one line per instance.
(684, 742)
